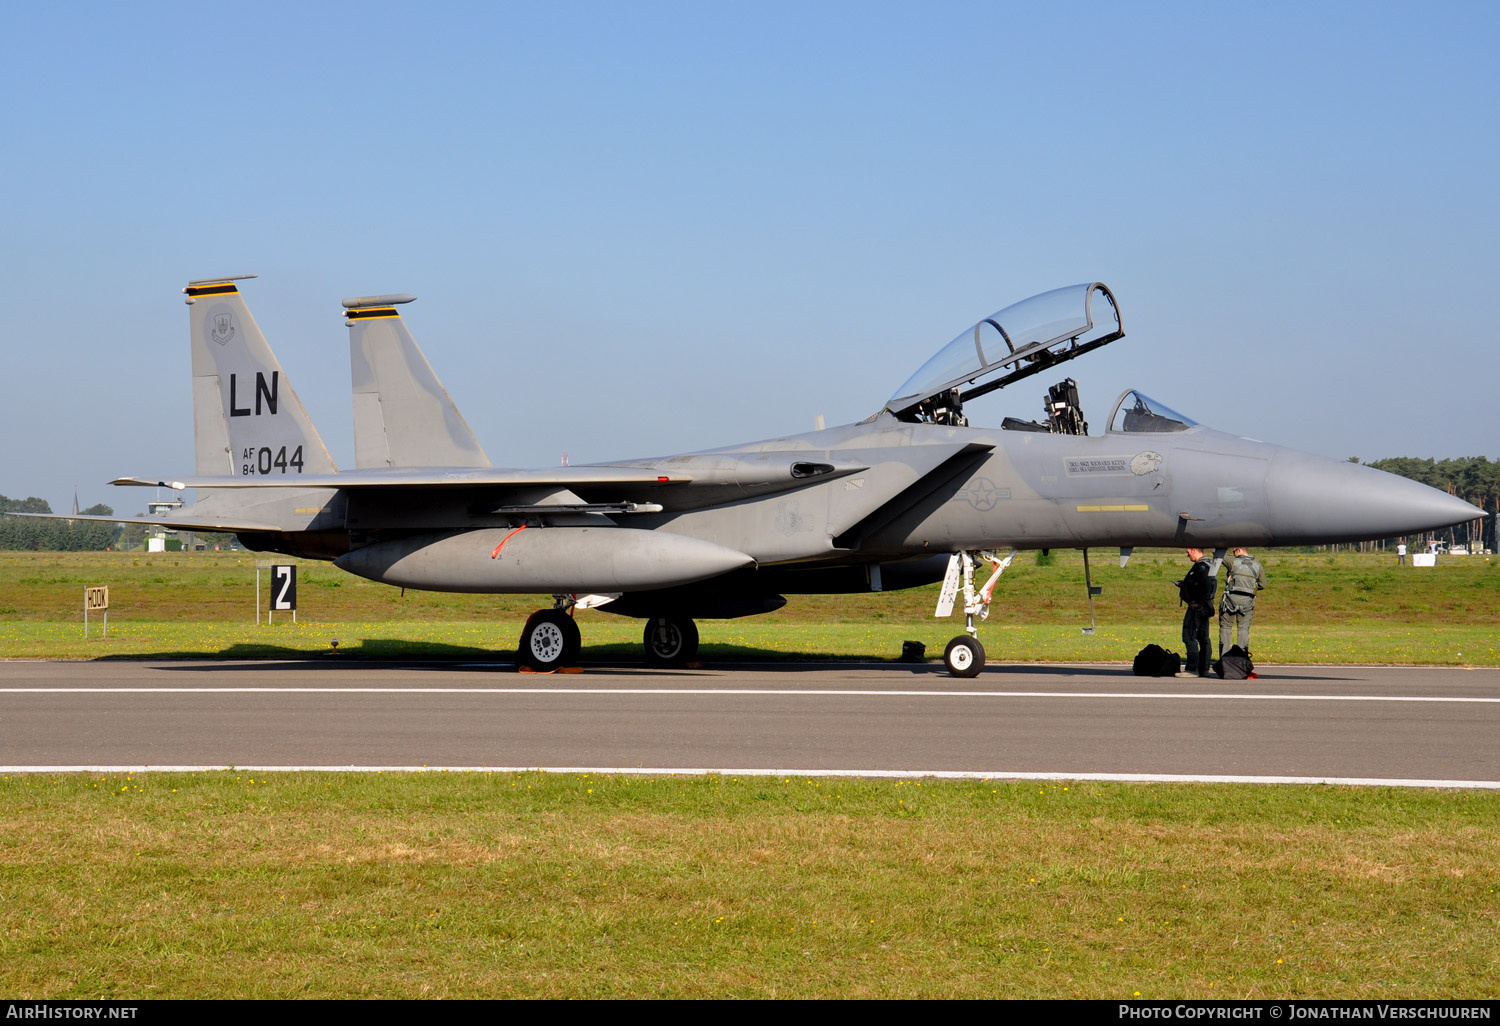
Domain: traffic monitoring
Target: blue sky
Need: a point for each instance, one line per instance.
(647, 228)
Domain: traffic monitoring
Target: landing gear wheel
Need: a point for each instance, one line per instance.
(964, 656)
(549, 640)
(670, 641)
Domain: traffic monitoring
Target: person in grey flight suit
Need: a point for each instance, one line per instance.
(1245, 577)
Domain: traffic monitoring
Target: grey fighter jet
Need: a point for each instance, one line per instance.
(911, 495)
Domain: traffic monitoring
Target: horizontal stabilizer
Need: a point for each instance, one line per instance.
(209, 523)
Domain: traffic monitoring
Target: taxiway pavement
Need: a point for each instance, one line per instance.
(1369, 724)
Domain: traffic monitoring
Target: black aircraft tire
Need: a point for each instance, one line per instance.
(575, 641)
(670, 641)
(549, 640)
(964, 656)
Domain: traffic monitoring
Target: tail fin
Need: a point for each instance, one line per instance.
(247, 421)
(403, 416)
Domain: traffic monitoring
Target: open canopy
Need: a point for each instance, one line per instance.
(1014, 343)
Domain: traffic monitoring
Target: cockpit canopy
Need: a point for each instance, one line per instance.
(1021, 340)
(1137, 413)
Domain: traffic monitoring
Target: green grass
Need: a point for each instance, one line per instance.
(467, 885)
(456, 885)
(1318, 608)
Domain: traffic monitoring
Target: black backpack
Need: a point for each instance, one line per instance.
(1235, 665)
(1198, 585)
(1155, 661)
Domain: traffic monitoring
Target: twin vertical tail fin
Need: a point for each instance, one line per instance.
(247, 420)
(403, 416)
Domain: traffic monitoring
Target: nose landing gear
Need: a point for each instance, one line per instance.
(964, 656)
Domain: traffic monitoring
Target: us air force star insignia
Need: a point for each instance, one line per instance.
(982, 494)
(1143, 463)
(223, 329)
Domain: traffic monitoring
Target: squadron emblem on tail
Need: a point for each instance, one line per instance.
(223, 329)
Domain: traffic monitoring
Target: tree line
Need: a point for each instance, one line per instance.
(55, 535)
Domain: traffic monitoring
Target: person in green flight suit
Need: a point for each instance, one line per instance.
(1245, 577)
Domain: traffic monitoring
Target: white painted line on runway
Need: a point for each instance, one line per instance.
(735, 692)
(680, 771)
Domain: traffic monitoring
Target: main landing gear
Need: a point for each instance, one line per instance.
(551, 639)
(964, 655)
(671, 641)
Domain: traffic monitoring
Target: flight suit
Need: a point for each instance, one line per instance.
(1246, 576)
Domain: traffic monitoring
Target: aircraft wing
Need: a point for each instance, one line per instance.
(427, 477)
(648, 487)
(710, 470)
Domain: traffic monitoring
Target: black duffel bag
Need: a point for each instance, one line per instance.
(1155, 661)
(1235, 665)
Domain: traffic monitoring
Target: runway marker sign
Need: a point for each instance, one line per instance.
(283, 590)
(95, 600)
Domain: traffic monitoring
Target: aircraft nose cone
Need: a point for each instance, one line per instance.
(1313, 500)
